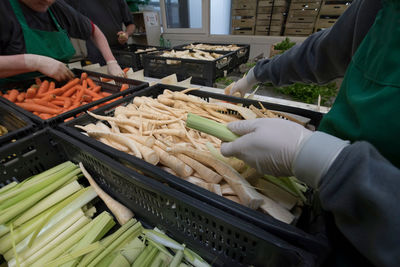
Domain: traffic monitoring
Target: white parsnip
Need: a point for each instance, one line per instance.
(121, 213)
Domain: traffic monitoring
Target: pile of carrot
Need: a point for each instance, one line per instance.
(46, 101)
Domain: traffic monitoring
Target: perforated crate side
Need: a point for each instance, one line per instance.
(218, 237)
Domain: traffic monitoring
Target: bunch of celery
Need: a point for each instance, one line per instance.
(46, 220)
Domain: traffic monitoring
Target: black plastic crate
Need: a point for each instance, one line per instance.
(16, 123)
(134, 86)
(240, 56)
(130, 58)
(218, 237)
(203, 72)
(303, 235)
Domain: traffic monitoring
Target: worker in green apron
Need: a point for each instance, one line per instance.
(38, 43)
(355, 182)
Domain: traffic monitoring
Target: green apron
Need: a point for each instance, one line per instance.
(366, 106)
(54, 44)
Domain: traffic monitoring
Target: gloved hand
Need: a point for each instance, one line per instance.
(284, 148)
(114, 69)
(122, 37)
(245, 84)
(48, 66)
(269, 145)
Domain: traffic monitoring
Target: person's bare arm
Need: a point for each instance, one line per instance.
(100, 41)
(12, 65)
(17, 64)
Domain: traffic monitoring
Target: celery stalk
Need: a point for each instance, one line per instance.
(67, 244)
(56, 242)
(23, 231)
(128, 235)
(177, 259)
(211, 127)
(8, 187)
(105, 223)
(107, 241)
(44, 217)
(150, 258)
(49, 201)
(14, 196)
(140, 261)
(25, 200)
(120, 261)
(47, 236)
(75, 254)
(82, 197)
(132, 249)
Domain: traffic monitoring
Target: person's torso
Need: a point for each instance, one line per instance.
(11, 37)
(106, 14)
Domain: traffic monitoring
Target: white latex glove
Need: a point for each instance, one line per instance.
(245, 84)
(283, 148)
(269, 145)
(48, 66)
(122, 37)
(114, 69)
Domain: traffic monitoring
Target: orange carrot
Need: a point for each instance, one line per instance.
(44, 87)
(67, 103)
(96, 89)
(45, 103)
(105, 94)
(124, 86)
(31, 92)
(12, 96)
(84, 84)
(21, 97)
(58, 103)
(45, 116)
(70, 91)
(84, 76)
(105, 80)
(39, 108)
(6, 96)
(126, 70)
(91, 93)
(79, 95)
(48, 97)
(87, 98)
(52, 86)
(38, 81)
(1, 93)
(91, 83)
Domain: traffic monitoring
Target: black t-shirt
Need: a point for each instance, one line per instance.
(11, 37)
(108, 15)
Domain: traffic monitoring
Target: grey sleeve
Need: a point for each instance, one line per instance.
(126, 14)
(361, 190)
(325, 55)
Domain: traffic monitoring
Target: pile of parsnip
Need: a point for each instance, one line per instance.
(231, 47)
(194, 54)
(154, 130)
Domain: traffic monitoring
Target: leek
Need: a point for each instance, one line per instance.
(133, 249)
(77, 253)
(162, 239)
(211, 127)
